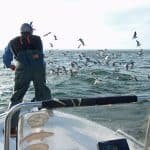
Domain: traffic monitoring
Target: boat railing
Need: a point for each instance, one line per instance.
(131, 138)
(8, 118)
(147, 136)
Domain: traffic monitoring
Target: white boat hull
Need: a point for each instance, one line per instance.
(68, 132)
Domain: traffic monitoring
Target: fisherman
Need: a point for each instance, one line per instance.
(27, 49)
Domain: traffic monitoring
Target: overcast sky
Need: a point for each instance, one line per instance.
(101, 23)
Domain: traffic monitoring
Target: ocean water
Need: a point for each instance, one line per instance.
(93, 73)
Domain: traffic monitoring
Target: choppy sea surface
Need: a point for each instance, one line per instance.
(93, 73)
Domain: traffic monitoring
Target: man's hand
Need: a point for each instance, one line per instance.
(13, 67)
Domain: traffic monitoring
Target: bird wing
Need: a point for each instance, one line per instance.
(135, 35)
(81, 40)
(47, 34)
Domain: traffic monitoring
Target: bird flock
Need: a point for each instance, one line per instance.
(82, 61)
(74, 64)
(80, 40)
(103, 58)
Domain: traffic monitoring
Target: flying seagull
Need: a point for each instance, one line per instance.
(47, 34)
(134, 35)
(31, 24)
(81, 40)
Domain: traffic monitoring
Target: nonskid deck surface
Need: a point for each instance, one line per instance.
(57, 130)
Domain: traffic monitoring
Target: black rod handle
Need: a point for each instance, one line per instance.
(76, 102)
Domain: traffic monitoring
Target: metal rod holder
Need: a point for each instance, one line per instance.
(8, 118)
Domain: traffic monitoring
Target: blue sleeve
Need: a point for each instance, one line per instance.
(7, 56)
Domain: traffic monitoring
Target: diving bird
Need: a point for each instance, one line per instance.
(140, 52)
(138, 43)
(97, 81)
(51, 45)
(47, 34)
(134, 35)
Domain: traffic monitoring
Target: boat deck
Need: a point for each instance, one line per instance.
(60, 131)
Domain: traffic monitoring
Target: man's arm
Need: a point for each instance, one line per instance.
(8, 58)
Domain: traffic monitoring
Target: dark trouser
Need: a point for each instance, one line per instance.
(23, 76)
